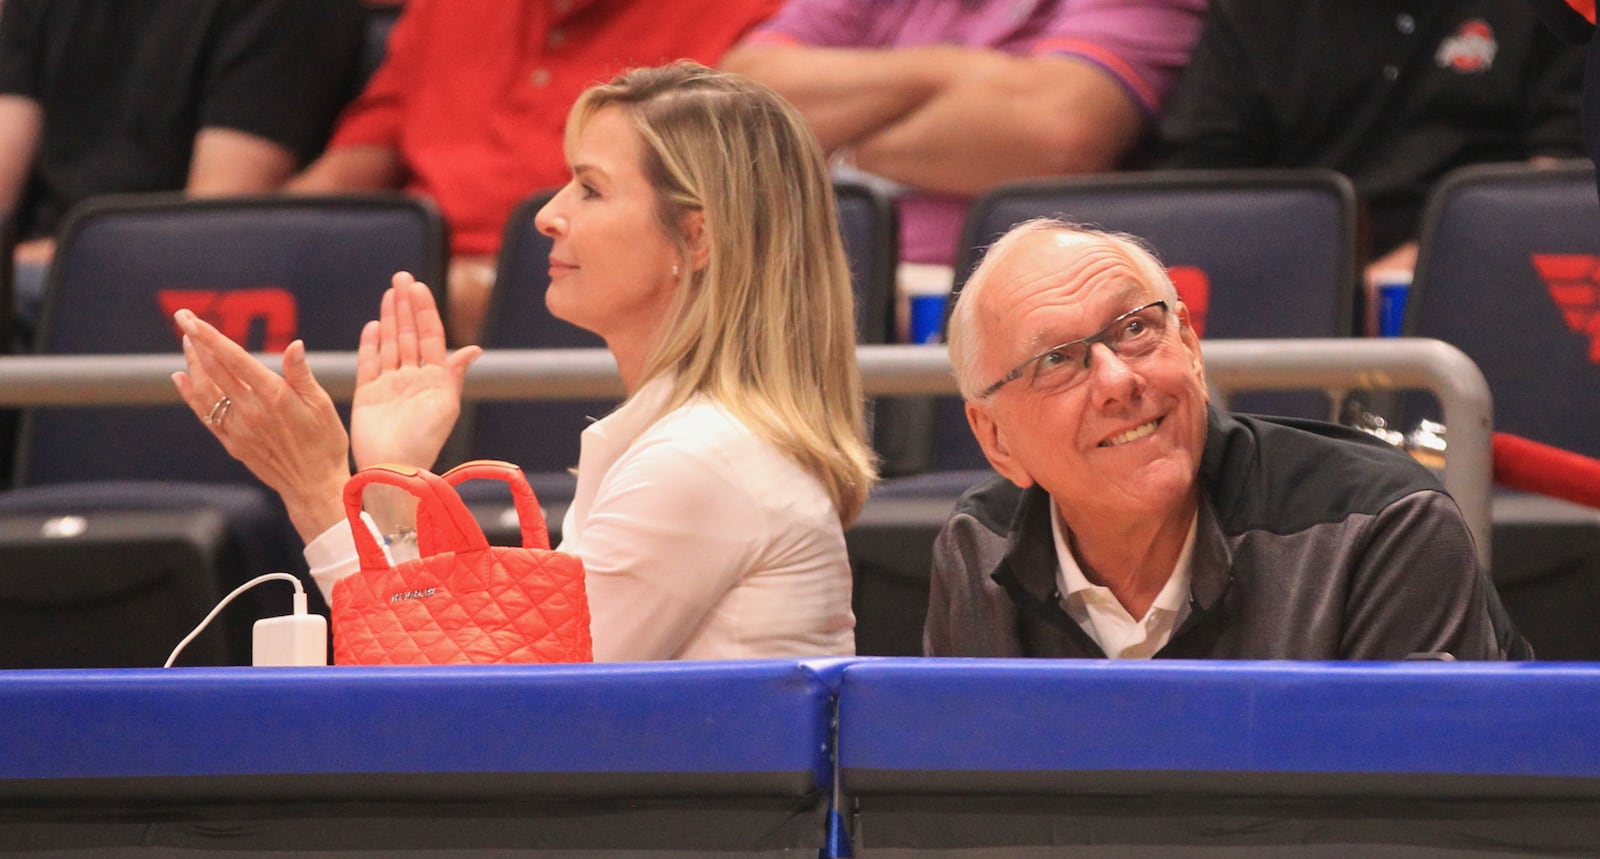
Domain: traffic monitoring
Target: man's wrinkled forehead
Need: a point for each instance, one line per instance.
(1062, 268)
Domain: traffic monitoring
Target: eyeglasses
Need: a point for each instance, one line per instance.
(1130, 336)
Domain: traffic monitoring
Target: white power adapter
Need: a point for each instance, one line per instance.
(290, 639)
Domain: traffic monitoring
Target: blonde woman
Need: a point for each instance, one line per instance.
(698, 238)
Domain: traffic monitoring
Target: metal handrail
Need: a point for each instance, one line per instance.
(1231, 365)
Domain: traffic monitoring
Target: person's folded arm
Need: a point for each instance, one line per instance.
(1005, 117)
(846, 93)
(356, 167)
(20, 124)
(227, 161)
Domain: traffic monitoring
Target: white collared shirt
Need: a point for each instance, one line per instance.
(702, 540)
(699, 540)
(1098, 612)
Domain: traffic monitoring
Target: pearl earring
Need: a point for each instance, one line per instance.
(674, 269)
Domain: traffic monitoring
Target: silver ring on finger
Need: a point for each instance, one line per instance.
(219, 411)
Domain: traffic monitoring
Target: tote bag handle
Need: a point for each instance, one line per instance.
(443, 522)
(530, 517)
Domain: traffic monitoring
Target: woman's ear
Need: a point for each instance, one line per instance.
(696, 238)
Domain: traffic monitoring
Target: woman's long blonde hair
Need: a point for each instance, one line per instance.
(767, 326)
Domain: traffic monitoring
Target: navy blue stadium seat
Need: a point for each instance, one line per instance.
(1509, 272)
(265, 270)
(93, 580)
(870, 230)
(890, 547)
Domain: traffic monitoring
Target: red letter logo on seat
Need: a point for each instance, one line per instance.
(237, 313)
(1194, 289)
(1574, 284)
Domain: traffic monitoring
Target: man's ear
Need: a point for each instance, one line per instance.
(993, 441)
(1191, 343)
(696, 239)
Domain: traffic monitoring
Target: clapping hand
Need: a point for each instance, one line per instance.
(408, 387)
(284, 429)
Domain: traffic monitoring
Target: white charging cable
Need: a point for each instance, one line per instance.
(299, 608)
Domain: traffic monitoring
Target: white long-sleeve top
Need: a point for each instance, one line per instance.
(699, 539)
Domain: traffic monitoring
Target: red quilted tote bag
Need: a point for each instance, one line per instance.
(462, 600)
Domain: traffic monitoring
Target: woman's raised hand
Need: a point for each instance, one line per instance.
(408, 386)
(284, 429)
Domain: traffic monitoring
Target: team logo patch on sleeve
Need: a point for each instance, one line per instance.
(1470, 49)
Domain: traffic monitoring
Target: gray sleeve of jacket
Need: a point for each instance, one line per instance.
(968, 613)
(1416, 587)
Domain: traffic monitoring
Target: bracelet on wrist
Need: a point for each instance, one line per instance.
(404, 535)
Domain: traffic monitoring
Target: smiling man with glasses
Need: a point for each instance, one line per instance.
(1133, 520)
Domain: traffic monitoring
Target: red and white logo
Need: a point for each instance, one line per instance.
(1194, 290)
(262, 319)
(1574, 284)
(1470, 50)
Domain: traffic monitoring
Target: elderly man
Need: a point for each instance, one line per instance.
(1139, 522)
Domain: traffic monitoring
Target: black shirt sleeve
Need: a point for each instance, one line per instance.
(1216, 116)
(282, 69)
(19, 68)
(1552, 124)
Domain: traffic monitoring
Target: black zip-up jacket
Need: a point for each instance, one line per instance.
(1314, 542)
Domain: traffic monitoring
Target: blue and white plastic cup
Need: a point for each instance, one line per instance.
(925, 292)
(1391, 291)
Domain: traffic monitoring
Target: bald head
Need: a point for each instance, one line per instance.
(1029, 257)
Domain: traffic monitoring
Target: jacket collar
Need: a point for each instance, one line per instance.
(1028, 569)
